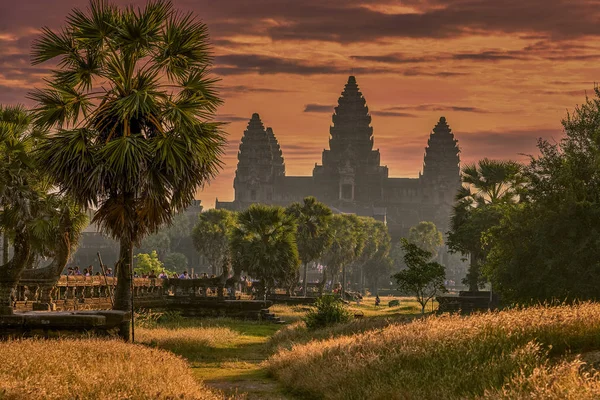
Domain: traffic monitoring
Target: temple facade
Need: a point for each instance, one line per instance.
(351, 178)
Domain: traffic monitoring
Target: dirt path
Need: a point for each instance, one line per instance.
(236, 370)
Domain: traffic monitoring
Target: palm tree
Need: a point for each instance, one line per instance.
(129, 104)
(263, 244)
(313, 235)
(32, 216)
(345, 246)
(211, 238)
(487, 184)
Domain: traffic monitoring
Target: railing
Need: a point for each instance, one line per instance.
(88, 287)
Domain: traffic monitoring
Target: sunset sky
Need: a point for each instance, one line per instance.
(503, 72)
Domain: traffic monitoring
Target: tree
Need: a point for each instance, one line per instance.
(426, 236)
(211, 237)
(263, 244)
(176, 262)
(159, 242)
(129, 103)
(344, 246)
(422, 277)
(146, 263)
(547, 248)
(39, 222)
(378, 263)
(487, 184)
(312, 235)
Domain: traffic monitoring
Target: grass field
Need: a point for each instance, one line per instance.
(388, 353)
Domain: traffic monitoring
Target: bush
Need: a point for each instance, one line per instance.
(328, 310)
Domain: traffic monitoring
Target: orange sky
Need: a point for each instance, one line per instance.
(503, 73)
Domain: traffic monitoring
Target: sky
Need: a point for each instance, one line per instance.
(503, 72)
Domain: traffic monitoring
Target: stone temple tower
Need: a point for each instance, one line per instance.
(351, 170)
(260, 163)
(440, 179)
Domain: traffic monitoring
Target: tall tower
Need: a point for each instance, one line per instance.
(351, 170)
(441, 174)
(260, 161)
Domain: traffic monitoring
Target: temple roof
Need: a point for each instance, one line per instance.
(442, 158)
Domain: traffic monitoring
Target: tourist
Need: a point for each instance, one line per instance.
(70, 271)
(76, 271)
(163, 275)
(204, 275)
(86, 272)
(109, 272)
(377, 301)
(184, 275)
(152, 275)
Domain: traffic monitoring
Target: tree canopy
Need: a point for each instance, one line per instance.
(426, 236)
(211, 237)
(130, 101)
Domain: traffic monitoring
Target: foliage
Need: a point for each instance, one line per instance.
(159, 242)
(426, 236)
(129, 101)
(328, 310)
(211, 237)
(94, 369)
(313, 235)
(487, 184)
(176, 262)
(146, 263)
(442, 357)
(347, 243)
(263, 244)
(422, 277)
(375, 258)
(549, 247)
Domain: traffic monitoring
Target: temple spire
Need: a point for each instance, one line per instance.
(442, 160)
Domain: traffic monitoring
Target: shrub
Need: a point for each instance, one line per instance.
(328, 310)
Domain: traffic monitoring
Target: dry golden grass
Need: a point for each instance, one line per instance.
(438, 357)
(565, 381)
(94, 369)
(185, 340)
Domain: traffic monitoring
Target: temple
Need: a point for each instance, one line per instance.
(351, 178)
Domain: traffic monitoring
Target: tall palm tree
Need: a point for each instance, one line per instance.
(263, 244)
(313, 235)
(485, 185)
(129, 105)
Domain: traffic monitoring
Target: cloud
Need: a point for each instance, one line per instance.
(230, 118)
(392, 114)
(236, 64)
(440, 107)
(318, 108)
(244, 89)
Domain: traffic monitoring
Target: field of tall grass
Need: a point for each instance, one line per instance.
(94, 369)
(514, 354)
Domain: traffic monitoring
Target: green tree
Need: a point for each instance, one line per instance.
(312, 235)
(378, 262)
(422, 277)
(129, 103)
(426, 236)
(176, 262)
(548, 248)
(159, 242)
(487, 184)
(149, 262)
(263, 244)
(39, 221)
(345, 246)
(211, 237)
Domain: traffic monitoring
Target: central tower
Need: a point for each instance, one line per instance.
(351, 170)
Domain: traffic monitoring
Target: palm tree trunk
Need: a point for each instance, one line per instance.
(323, 281)
(123, 290)
(5, 246)
(343, 282)
(304, 283)
(473, 275)
(10, 272)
